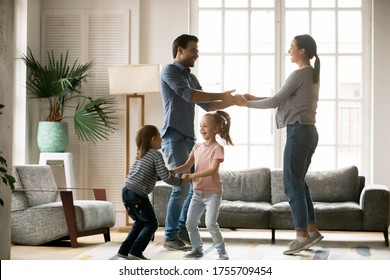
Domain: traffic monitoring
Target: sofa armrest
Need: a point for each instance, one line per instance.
(68, 203)
(375, 203)
(159, 198)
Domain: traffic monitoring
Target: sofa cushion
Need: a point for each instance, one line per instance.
(246, 185)
(339, 215)
(326, 186)
(35, 178)
(243, 214)
(92, 214)
(329, 215)
(339, 185)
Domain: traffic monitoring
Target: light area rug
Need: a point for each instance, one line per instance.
(243, 245)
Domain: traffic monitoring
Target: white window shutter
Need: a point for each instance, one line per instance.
(103, 38)
(108, 46)
(62, 31)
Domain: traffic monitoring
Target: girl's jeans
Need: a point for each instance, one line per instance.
(199, 203)
(301, 143)
(145, 223)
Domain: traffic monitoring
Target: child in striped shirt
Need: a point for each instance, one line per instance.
(147, 169)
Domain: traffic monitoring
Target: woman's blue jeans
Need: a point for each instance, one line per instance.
(177, 148)
(300, 146)
(145, 223)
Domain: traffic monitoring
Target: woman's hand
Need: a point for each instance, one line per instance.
(240, 100)
(249, 97)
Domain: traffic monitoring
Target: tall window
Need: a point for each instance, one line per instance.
(243, 46)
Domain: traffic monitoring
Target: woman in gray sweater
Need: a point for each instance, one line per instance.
(296, 104)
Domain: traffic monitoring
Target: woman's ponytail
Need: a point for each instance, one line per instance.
(317, 66)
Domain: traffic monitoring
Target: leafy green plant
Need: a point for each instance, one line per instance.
(7, 179)
(59, 83)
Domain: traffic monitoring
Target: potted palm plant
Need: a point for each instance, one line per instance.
(60, 83)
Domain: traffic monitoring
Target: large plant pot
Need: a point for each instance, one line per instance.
(52, 137)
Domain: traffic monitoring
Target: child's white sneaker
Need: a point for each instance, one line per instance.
(193, 254)
(223, 256)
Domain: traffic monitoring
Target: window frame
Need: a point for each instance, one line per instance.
(280, 76)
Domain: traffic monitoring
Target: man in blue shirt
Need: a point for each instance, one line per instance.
(180, 91)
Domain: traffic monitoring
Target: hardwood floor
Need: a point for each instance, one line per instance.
(63, 251)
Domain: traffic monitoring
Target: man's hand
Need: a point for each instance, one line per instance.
(240, 100)
(228, 98)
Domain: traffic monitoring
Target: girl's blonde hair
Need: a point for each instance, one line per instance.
(222, 120)
(143, 139)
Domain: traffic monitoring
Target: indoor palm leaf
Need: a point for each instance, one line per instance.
(92, 121)
(59, 83)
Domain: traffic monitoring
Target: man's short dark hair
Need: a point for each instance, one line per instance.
(182, 41)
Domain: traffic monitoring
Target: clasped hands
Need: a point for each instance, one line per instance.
(186, 177)
(238, 99)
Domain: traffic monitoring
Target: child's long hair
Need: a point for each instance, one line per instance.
(143, 139)
(222, 120)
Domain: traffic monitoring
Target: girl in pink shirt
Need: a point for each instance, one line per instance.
(207, 185)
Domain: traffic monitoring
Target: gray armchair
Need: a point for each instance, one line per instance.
(42, 213)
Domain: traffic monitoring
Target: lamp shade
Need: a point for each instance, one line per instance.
(130, 79)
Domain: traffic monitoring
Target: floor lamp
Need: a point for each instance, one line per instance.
(134, 81)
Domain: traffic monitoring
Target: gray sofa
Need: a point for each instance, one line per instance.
(255, 199)
(42, 213)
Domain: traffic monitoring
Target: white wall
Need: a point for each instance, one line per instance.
(161, 22)
(381, 94)
(27, 33)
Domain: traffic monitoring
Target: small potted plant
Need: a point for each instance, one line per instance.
(60, 83)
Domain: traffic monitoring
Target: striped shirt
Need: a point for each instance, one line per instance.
(146, 171)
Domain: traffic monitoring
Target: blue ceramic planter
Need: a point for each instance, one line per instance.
(52, 137)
